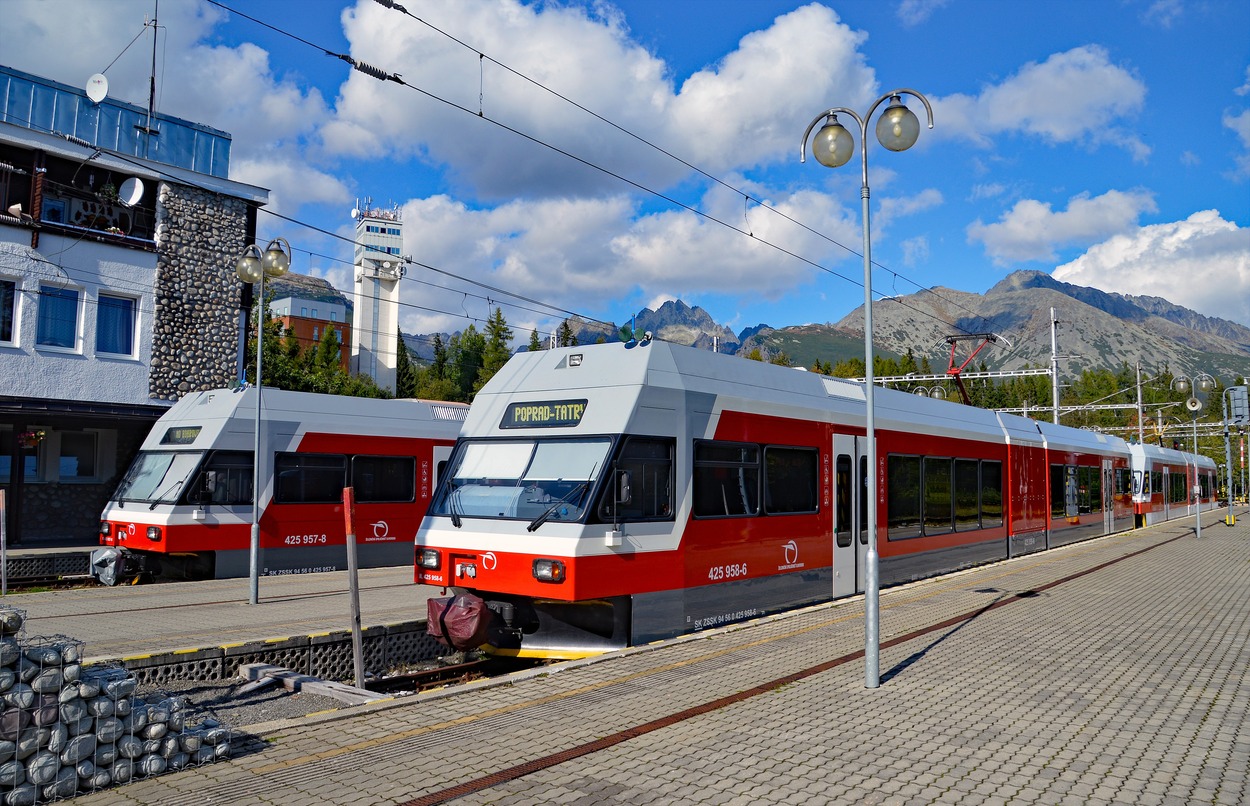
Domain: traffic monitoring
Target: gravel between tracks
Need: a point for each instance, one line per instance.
(240, 711)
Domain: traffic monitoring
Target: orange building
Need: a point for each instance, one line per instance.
(308, 320)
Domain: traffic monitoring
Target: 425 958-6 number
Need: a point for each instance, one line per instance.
(732, 571)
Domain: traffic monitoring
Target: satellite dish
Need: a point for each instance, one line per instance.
(130, 192)
(97, 87)
(355, 213)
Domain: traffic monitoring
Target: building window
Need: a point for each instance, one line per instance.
(315, 336)
(8, 310)
(77, 461)
(303, 312)
(57, 318)
(115, 325)
(334, 316)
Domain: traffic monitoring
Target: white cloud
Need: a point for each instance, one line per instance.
(1032, 230)
(1202, 263)
(231, 88)
(741, 112)
(1073, 97)
(1240, 124)
(915, 12)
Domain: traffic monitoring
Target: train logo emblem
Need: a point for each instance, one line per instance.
(489, 561)
(380, 529)
(791, 550)
(130, 529)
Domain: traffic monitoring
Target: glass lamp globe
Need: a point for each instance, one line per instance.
(833, 145)
(897, 128)
(276, 261)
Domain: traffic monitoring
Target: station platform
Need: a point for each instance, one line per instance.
(1115, 671)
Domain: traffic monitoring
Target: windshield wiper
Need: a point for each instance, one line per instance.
(541, 519)
(451, 507)
(159, 496)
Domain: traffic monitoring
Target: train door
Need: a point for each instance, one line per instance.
(1108, 497)
(1167, 493)
(441, 454)
(850, 519)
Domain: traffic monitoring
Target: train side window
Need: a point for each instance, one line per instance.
(647, 462)
(1156, 481)
(309, 478)
(991, 494)
(225, 479)
(726, 479)
(791, 480)
(842, 500)
(384, 478)
(967, 495)
(903, 484)
(938, 496)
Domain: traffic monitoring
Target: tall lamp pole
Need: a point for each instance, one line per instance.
(833, 145)
(253, 266)
(1201, 383)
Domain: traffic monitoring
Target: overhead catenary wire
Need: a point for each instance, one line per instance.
(381, 74)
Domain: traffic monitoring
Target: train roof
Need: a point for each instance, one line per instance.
(202, 416)
(731, 382)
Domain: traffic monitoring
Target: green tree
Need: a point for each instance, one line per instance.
(405, 374)
(565, 336)
(535, 343)
(496, 350)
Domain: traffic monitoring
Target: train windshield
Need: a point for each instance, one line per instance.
(534, 480)
(158, 476)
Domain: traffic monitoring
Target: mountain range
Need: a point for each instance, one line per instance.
(1096, 329)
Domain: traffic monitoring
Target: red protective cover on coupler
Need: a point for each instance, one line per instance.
(461, 621)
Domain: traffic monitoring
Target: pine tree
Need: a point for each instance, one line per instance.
(565, 337)
(535, 343)
(405, 375)
(496, 350)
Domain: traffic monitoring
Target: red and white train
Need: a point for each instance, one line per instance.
(1164, 480)
(610, 495)
(184, 508)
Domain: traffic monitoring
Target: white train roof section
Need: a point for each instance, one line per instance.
(619, 380)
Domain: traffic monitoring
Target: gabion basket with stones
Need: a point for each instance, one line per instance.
(66, 728)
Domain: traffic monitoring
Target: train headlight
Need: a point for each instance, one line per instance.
(548, 570)
(428, 559)
(154, 534)
(106, 528)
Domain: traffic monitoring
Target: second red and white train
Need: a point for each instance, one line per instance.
(611, 495)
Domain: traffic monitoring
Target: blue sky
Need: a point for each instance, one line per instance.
(1105, 142)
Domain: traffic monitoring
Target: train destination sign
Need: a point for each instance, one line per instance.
(544, 414)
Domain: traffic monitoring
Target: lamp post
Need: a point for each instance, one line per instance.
(897, 130)
(1201, 383)
(253, 266)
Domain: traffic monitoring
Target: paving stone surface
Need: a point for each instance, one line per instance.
(1115, 671)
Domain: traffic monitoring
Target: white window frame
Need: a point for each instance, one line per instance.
(134, 324)
(17, 322)
(53, 348)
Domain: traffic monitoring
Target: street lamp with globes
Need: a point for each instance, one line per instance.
(253, 267)
(1202, 383)
(897, 130)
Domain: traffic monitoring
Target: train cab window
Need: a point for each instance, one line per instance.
(903, 512)
(842, 500)
(791, 480)
(643, 487)
(991, 494)
(384, 478)
(726, 479)
(225, 479)
(1137, 479)
(309, 478)
(938, 496)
